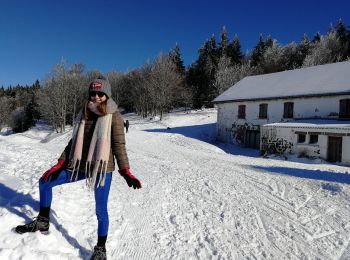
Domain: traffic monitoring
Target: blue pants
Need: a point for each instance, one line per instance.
(101, 196)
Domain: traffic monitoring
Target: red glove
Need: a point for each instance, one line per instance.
(53, 171)
(130, 179)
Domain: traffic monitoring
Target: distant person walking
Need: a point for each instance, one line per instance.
(97, 138)
(126, 124)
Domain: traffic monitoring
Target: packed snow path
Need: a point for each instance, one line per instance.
(197, 202)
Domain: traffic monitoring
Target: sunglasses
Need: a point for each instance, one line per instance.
(94, 93)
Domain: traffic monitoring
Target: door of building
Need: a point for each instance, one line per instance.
(334, 148)
(252, 139)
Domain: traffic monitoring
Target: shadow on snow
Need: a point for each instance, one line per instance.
(201, 132)
(11, 199)
(206, 133)
(326, 176)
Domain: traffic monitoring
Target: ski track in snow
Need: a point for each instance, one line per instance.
(197, 201)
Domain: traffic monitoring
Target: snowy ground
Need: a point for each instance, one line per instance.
(199, 200)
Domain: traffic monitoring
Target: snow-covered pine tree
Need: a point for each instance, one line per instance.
(344, 38)
(258, 51)
(317, 38)
(303, 49)
(272, 58)
(175, 57)
(327, 50)
(224, 42)
(234, 51)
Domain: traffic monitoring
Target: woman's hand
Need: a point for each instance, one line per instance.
(53, 171)
(130, 179)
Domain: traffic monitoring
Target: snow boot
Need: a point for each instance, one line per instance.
(40, 223)
(99, 253)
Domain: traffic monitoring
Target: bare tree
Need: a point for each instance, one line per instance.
(55, 96)
(63, 93)
(164, 83)
(141, 93)
(224, 77)
(93, 74)
(77, 82)
(227, 75)
(154, 88)
(115, 78)
(47, 104)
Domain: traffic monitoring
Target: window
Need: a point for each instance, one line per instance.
(301, 138)
(241, 111)
(344, 108)
(263, 111)
(313, 139)
(288, 110)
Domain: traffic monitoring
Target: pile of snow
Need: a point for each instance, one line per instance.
(200, 199)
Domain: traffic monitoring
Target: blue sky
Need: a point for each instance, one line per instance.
(121, 35)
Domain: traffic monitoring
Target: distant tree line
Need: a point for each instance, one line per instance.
(164, 83)
(18, 107)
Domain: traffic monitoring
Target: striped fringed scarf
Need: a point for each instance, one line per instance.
(99, 150)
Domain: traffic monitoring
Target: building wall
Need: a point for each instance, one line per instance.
(346, 150)
(323, 144)
(289, 135)
(225, 120)
(321, 107)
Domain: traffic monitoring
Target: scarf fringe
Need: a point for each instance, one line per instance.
(91, 176)
(75, 172)
(96, 178)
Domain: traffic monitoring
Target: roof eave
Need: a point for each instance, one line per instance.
(283, 97)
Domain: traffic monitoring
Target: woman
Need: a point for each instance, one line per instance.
(98, 137)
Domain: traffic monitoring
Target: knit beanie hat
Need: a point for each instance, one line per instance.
(101, 85)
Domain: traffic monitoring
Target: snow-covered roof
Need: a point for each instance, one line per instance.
(325, 79)
(314, 123)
